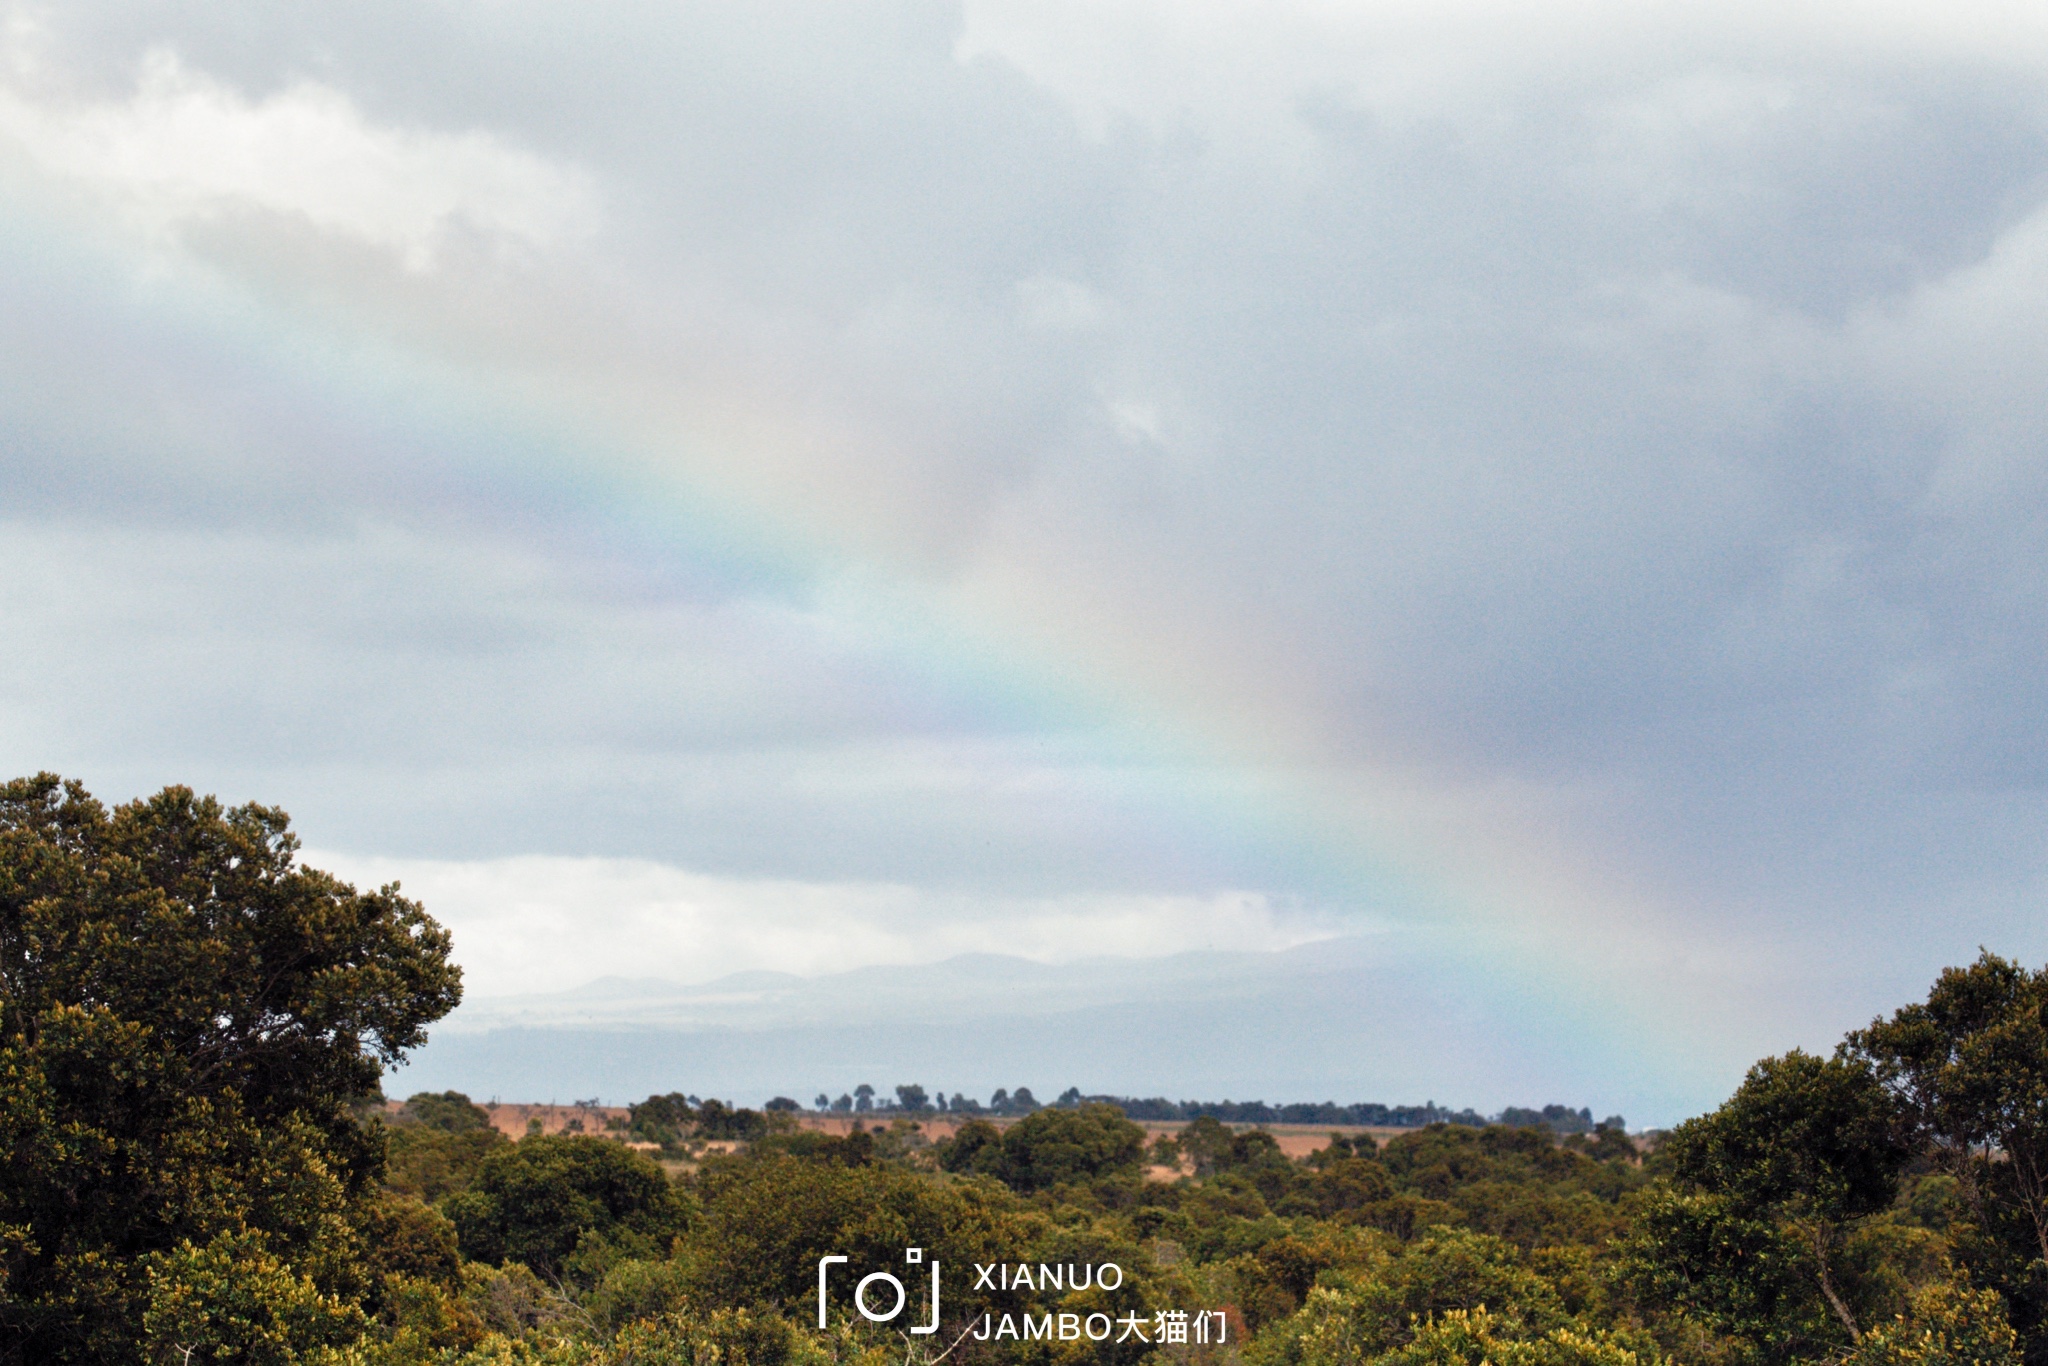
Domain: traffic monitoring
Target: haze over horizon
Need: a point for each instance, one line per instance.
(1551, 492)
(1350, 1008)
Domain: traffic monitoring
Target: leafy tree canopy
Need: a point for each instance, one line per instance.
(1804, 1147)
(449, 1111)
(1048, 1147)
(533, 1202)
(186, 1014)
(1969, 1069)
(768, 1219)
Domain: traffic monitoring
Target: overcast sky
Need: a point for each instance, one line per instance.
(699, 488)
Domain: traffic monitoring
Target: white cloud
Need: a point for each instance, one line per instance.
(186, 147)
(537, 924)
(1965, 353)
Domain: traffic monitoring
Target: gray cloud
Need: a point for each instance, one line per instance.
(1622, 435)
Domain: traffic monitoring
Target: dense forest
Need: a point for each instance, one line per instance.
(194, 1168)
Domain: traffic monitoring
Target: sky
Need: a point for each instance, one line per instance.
(1555, 489)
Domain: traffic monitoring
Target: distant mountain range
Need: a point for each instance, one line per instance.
(972, 986)
(1355, 1018)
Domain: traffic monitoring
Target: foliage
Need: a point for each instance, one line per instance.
(763, 1215)
(404, 1237)
(430, 1163)
(1967, 1068)
(1803, 1137)
(234, 1299)
(1477, 1337)
(663, 1119)
(1367, 1114)
(1049, 1147)
(1740, 1278)
(1805, 1145)
(186, 1015)
(1446, 1271)
(546, 1198)
(1949, 1324)
(674, 1119)
(450, 1112)
(716, 1120)
(857, 1149)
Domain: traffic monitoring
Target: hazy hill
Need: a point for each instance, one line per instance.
(1338, 1019)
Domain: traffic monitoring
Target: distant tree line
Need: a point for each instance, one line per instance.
(865, 1099)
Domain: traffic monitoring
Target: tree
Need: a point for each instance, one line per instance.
(663, 1119)
(1949, 1325)
(1737, 1275)
(863, 1098)
(1052, 1146)
(536, 1201)
(1969, 1068)
(186, 1014)
(1480, 1337)
(1806, 1142)
(1207, 1143)
(912, 1098)
(769, 1217)
(977, 1146)
(1445, 1272)
(449, 1111)
(715, 1119)
(429, 1163)
(1344, 1184)
(1608, 1143)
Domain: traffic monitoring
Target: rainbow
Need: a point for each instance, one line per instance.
(601, 449)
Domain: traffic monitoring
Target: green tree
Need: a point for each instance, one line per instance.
(1739, 1277)
(1479, 1337)
(767, 1220)
(449, 1111)
(1050, 1146)
(1608, 1143)
(1949, 1324)
(1444, 1271)
(234, 1299)
(1808, 1143)
(1346, 1184)
(431, 1164)
(729, 1337)
(1207, 1143)
(186, 1014)
(1969, 1066)
(666, 1120)
(976, 1146)
(536, 1201)
(715, 1119)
